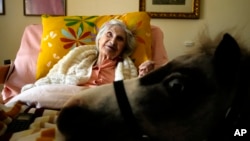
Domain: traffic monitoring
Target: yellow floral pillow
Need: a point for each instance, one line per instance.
(63, 33)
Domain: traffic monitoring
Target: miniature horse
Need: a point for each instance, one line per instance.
(202, 96)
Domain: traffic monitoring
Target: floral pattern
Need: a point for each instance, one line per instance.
(73, 38)
(137, 32)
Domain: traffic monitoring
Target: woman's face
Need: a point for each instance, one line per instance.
(112, 43)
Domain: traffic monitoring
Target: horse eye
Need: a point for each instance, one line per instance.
(175, 86)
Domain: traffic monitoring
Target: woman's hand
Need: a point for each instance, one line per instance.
(146, 67)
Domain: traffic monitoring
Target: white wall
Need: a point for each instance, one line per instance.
(218, 15)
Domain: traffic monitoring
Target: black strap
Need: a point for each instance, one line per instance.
(126, 111)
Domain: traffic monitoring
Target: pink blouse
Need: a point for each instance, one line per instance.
(102, 74)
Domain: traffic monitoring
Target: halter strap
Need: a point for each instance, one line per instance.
(126, 111)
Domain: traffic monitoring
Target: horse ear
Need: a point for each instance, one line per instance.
(227, 58)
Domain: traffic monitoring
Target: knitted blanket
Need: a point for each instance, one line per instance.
(42, 129)
(75, 68)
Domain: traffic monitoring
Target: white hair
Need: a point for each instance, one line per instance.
(130, 39)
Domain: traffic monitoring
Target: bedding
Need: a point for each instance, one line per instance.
(26, 59)
(63, 33)
(48, 96)
(25, 62)
(43, 127)
(75, 68)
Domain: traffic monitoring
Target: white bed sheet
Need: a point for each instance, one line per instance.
(47, 96)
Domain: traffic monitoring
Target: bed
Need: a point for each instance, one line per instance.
(30, 64)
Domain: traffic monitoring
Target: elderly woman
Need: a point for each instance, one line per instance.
(93, 65)
(115, 43)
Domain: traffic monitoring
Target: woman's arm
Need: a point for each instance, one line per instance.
(3, 72)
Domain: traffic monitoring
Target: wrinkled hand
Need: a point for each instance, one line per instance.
(146, 67)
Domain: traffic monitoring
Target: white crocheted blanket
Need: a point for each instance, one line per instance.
(76, 67)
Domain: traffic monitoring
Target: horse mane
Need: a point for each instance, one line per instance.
(206, 44)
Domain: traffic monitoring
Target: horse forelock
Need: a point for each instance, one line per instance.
(205, 43)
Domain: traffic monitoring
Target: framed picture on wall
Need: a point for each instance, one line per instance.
(40, 7)
(172, 9)
(2, 12)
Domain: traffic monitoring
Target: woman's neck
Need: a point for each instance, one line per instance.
(101, 59)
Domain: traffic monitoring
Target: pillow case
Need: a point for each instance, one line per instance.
(63, 33)
(25, 62)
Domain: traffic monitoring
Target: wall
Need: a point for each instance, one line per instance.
(218, 15)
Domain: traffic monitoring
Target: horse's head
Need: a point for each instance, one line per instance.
(188, 99)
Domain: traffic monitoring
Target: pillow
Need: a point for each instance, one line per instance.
(63, 33)
(25, 62)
